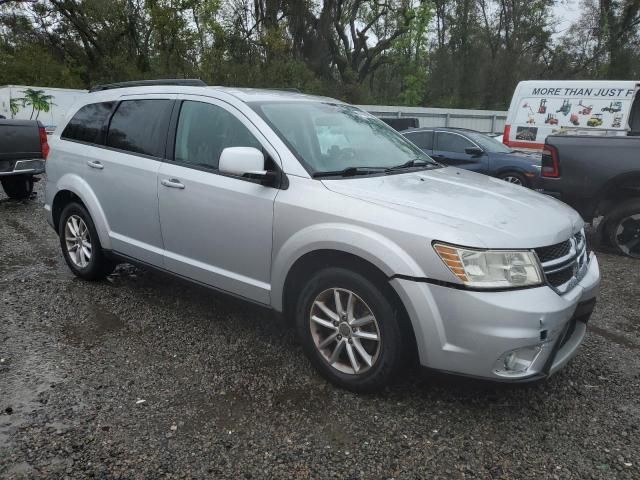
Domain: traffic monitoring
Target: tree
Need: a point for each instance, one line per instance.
(38, 100)
(446, 53)
(341, 36)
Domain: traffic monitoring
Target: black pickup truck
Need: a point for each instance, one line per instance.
(599, 176)
(23, 150)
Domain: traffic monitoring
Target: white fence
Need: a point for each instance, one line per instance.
(487, 121)
(60, 99)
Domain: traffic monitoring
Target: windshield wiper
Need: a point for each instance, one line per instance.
(350, 172)
(416, 162)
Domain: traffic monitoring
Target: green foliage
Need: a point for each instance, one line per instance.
(14, 106)
(457, 53)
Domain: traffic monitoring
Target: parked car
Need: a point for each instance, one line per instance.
(377, 254)
(599, 177)
(477, 152)
(23, 150)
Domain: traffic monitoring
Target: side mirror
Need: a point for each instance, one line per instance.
(475, 151)
(246, 162)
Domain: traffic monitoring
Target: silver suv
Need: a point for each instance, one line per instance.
(311, 207)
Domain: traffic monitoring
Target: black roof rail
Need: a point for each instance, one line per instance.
(184, 82)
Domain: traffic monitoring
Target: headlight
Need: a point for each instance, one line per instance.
(491, 268)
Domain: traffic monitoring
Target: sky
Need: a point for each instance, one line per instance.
(567, 12)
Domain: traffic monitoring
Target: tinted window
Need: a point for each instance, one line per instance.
(86, 125)
(423, 140)
(204, 130)
(451, 142)
(140, 126)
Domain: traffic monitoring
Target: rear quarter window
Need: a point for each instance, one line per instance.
(88, 122)
(140, 126)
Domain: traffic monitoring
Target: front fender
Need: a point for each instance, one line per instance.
(373, 247)
(81, 188)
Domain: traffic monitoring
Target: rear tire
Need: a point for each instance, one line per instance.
(18, 187)
(81, 246)
(361, 363)
(623, 228)
(514, 178)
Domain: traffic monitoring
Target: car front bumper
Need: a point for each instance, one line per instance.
(472, 332)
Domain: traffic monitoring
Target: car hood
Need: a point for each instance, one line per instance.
(476, 209)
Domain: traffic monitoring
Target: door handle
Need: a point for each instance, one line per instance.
(95, 164)
(172, 183)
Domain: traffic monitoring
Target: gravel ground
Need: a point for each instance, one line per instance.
(144, 376)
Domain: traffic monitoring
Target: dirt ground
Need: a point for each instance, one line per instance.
(144, 377)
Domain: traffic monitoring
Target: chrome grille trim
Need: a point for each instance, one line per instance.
(577, 260)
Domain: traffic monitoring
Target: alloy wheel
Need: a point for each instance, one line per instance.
(78, 241)
(512, 179)
(345, 331)
(627, 236)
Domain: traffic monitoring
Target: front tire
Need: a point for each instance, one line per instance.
(623, 228)
(350, 329)
(18, 187)
(80, 244)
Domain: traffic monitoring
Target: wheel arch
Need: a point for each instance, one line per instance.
(616, 190)
(338, 239)
(315, 260)
(71, 188)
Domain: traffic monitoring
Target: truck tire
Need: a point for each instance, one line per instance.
(81, 246)
(623, 228)
(18, 187)
(350, 329)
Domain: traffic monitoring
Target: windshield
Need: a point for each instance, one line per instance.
(487, 143)
(330, 137)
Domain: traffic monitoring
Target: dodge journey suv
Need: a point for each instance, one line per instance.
(313, 208)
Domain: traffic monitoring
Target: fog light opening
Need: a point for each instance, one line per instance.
(517, 362)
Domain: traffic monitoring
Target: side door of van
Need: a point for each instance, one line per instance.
(123, 174)
(217, 228)
(423, 139)
(450, 148)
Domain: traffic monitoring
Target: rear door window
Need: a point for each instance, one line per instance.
(424, 140)
(140, 126)
(88, 122)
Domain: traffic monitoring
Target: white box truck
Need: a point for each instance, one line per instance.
(48, 105)
(542, 107)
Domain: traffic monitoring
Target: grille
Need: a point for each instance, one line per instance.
(559, 250)
(564, 264)
(560, 278)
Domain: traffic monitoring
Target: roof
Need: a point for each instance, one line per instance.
(445, 129)
(270, 94)
(243, 94)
